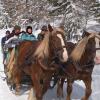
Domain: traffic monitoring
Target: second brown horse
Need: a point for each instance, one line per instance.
(80, 65)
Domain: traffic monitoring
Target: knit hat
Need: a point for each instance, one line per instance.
(17, 27)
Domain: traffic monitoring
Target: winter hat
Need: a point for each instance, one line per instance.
(28, 27)
(44, 28)
(17, 27)
(7, 32)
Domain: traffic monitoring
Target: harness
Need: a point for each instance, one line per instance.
(63, 70)
(97, 48)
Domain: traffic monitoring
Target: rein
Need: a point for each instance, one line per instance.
(77, 66)
(60, 48)
(97, 48)
(83, 67)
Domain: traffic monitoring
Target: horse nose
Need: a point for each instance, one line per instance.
(63, 56)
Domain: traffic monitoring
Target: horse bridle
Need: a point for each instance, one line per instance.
(64, 46)
(58, 50)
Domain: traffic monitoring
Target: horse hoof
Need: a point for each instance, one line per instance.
(60, 95)
(83, 98)
(32, 98)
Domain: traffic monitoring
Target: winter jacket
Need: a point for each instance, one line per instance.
(4, 39)
(26, 36)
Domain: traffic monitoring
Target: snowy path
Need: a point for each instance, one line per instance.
(78, 89)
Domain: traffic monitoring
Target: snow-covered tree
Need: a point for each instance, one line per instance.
(76, 12)
(95, 9)
(27, 9)
(4, 18)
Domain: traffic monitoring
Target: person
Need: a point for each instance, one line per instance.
(28, 34)
(11, 44)
(21, 36)
(8, 43)
(4, 39)
(42, 34)
(15, 34)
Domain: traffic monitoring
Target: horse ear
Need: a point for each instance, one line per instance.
(50, 28)
(85, 33)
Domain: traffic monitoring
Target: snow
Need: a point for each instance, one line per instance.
(92, 22)
(36, 32)
(93, 26)
(78, 87)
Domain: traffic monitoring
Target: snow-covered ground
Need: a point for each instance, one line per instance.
(78, 88)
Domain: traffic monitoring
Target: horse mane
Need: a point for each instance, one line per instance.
(80, 48)
(43, 49)
(59, 30)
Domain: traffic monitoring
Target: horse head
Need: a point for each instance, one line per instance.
(87, 42)
(57, 43)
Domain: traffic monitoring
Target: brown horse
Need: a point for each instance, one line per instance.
(36, 59)
(79, 66)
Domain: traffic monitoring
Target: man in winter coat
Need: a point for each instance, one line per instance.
(42, 34)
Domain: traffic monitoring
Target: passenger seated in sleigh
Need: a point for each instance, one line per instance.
(15, 38)
(10, 42)
(11, 47)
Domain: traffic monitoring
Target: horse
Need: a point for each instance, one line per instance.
(36, 58)
(79, 66)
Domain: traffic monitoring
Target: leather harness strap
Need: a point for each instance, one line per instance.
(97, 48)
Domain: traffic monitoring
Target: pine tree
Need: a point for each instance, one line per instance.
(95, 9)
(27, 9)
(76, 13)
(4, 18)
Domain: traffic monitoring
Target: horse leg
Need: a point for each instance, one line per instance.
(17, 86)
(69, 89)
(37, 87)
(31, 95)
(60, 87)
(88, 90)
(17, 76)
